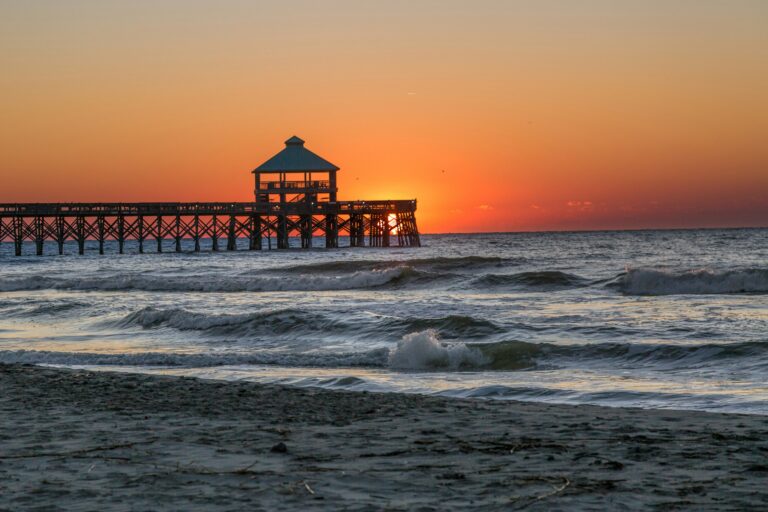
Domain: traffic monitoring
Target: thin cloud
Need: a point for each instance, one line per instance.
(582, 206)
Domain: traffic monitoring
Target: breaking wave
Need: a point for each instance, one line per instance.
(283, 321)
(642, 281)
(206, 283)
(425, 351)
(545, 280)
(635, 281)
(432, 264)
(39, 308)
(267, 322)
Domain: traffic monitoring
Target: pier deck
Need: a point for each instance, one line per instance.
(371, 223)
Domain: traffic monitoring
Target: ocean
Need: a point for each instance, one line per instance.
(655, 319)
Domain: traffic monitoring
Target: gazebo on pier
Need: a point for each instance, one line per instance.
(295, 174)
(298, 177)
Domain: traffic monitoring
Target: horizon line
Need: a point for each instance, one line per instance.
(607, 230)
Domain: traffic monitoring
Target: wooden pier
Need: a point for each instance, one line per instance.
(284, 208)
(217, 225)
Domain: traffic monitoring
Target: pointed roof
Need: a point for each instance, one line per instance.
(296, 158)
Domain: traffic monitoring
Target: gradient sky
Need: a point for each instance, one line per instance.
(497, 115)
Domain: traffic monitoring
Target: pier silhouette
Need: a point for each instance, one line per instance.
(295, 196)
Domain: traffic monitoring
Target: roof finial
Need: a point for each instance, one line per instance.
(294, 141)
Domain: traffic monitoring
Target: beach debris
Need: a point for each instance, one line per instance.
(609, 464)
(246, 470)
(556, 489)
(279, 448)
(452, 476)
(298, 486)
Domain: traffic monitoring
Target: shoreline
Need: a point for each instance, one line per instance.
(122, 441)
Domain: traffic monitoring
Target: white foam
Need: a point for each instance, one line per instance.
(423, 351)
(696, 282)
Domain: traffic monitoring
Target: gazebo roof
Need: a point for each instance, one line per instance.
(296, 158)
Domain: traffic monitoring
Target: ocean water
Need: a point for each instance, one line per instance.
(655, 319)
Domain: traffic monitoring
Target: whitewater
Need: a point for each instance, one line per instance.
(653, 319)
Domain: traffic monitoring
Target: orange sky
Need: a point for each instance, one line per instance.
(497, 115)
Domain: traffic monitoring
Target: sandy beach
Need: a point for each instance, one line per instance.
(78, 440)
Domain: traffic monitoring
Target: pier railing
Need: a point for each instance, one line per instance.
(219, 208)
(294, 185)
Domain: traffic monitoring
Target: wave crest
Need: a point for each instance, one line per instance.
(640, 281)
(433, 264)
(269, 322)
(205, 283)
(424, 351)
(543, 279)
(450, 326)
(283, 321)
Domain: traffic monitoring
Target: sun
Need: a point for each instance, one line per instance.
(392, 224)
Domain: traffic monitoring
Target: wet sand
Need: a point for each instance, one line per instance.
(77, 440)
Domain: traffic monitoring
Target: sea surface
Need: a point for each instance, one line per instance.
(654, 319)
